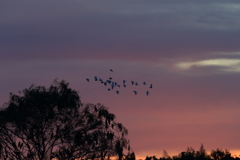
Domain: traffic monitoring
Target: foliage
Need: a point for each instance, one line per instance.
(191, 154)
(130, 156)
(45, 123)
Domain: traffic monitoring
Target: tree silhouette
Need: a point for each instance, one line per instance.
(165, 156)
(151, 158)
(191, 154)
(45, 123)
(130, 156)
(202, 154)
(219, 154)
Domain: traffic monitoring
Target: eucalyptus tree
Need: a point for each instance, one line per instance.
(44, 123)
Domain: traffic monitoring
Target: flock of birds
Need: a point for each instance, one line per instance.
(112, 84)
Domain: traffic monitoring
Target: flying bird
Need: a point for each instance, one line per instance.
(132, 82)
(117, 92)
(112, 86)
(109, 89)
(136, 84)
(110, 78)
(144, 83)
(135, 92)
(111, 70)
(95, 78)
(147, 93)
(150, 86)
(124, 81)
(87, 79)
(124, 86)
(108, 81)
(118, 85)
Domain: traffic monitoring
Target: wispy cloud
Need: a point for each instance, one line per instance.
(227, 65)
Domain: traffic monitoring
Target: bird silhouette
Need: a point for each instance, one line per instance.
(112, 86)
(118, 85)
(147, 93)
(111, 70)
(95, 78)
(109, 89)
(144, 83)
(124, 81)
(110, 78)
(87, 79)
(132, 82)
(135, 92)
(117, 92)
(150, 86)
(136, 84)
(124, 86)
(108, 81)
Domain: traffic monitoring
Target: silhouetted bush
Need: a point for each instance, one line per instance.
(191, 154)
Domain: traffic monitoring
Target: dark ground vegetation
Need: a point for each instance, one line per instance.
(201, 154)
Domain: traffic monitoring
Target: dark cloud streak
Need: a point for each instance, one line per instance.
(115, 29)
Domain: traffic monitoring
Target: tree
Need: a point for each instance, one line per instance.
(219, 154)
(45, 123)
(165, 156)
(151, 158)
(188, 155)
(131, 156)
(202, 154)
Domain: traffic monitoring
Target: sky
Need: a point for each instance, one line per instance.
(188, 50)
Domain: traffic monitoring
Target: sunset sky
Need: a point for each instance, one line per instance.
(189, 50)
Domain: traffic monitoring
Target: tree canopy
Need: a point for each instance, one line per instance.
(201, 154)
(44, 123)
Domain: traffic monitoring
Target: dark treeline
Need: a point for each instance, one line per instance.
(201, 154)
